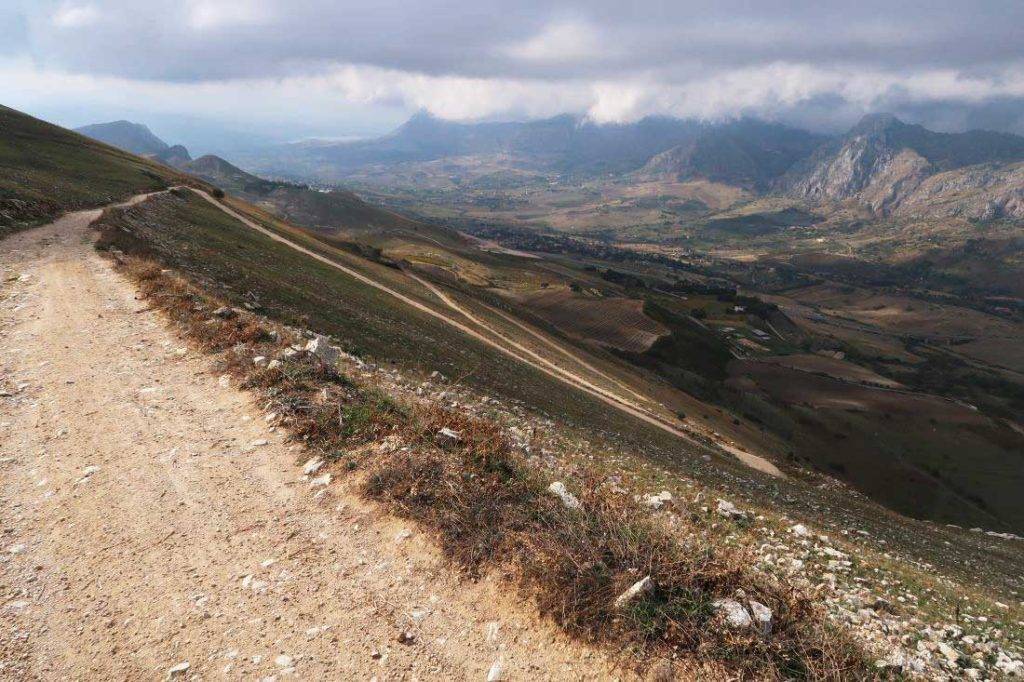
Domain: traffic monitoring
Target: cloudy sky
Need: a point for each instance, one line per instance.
(200, 70)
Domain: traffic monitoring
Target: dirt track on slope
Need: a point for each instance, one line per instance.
(510, 347)
(145, 523)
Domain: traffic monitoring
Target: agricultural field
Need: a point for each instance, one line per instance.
(953, 463)
(833, 367)
(613, 322)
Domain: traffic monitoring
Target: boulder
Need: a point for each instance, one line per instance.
(658, 500)
(319, 346)
(733, 613)
(321, 480)
(448, 438)
(178, 670)
(496, 673)
(729, 510)
(569, 501)
(762, 617)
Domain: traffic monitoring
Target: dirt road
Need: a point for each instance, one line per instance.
(513, 349)
(151, 517)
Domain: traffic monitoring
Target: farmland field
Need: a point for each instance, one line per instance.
(614, 322)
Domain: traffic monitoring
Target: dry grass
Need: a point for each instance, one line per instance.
(490, 510)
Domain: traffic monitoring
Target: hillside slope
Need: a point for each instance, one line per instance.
(747, 153)
(413, 345)
(48, 170)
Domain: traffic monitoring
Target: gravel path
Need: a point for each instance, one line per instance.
(151, 517)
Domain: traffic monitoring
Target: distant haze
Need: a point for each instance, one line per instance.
(220, 73)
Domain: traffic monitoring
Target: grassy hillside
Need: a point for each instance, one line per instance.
(48, 170)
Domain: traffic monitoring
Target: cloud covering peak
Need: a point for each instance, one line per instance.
(302, 66)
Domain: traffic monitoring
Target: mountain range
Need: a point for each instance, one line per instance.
(882, 164)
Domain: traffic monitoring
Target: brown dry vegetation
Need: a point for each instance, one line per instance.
(616, 322)
(491, 511)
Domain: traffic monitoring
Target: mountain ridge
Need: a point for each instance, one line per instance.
(888, 166)
(136, 138)
(882, 163)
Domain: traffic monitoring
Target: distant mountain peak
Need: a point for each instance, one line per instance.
(131, 137)
(876, 123)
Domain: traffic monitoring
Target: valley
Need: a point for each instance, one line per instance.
(724, 354)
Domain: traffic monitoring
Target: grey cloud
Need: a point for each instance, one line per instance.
(660, 43)
(157, 39)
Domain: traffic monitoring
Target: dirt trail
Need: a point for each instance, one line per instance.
(514, 349)
(145, 523)
(517, 351)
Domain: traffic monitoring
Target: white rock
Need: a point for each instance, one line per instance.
(568, 499)
(16, 549)
(1009, 666)
(636, 590)
(951, 654)
(273, 364)
(178, 670)
(800, 530)
(259, 443)
(321, 480)
(320, 347)
(447, 437)
(729, 510)
(658, 500)
(284, 661)
(312, 466)
(735, 615)
(496, 673)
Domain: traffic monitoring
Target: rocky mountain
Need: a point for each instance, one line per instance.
(176, 156)
(748, 153)
(891, 167)
(131, 137)
(897, 168)
(137, 139)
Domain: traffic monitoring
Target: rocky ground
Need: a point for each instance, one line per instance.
(908, 617)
